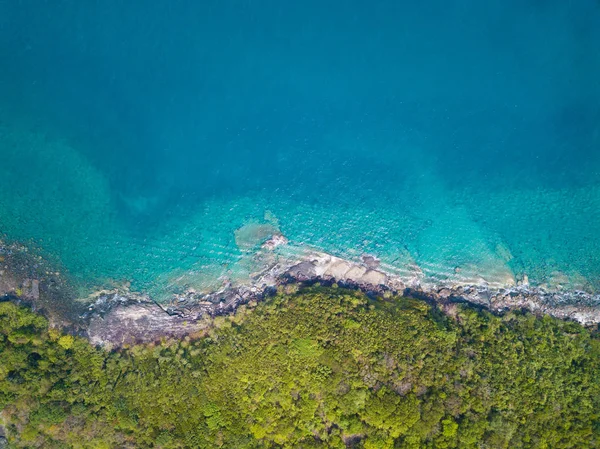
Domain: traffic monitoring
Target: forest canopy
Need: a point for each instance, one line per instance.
(323, 367)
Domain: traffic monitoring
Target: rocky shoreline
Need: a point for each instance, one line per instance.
(118, 317)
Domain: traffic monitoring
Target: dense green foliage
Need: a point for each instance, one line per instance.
(320, 368)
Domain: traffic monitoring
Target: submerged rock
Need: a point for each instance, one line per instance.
(253, 234)
(370, 261)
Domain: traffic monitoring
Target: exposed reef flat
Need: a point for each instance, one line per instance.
(118, 316)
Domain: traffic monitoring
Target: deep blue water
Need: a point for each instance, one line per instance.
(136, 137)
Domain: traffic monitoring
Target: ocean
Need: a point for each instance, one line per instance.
(159, 143)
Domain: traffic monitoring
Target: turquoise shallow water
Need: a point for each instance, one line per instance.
(462, 136)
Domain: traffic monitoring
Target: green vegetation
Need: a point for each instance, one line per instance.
(319, 368)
